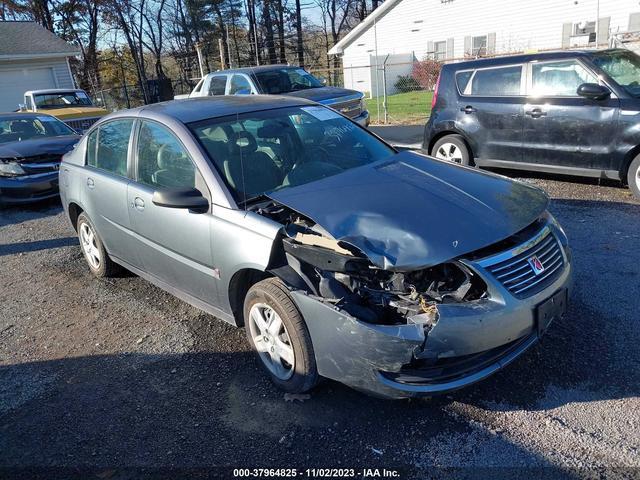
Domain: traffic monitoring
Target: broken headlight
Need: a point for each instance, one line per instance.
(11, 169)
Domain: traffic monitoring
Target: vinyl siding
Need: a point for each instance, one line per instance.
(510, 25)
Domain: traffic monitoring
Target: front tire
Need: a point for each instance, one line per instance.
(93, 249)
(633, 176)
(452, 148)
(277, 332)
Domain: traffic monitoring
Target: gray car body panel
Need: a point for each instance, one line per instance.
(412, 211)
(232, 240)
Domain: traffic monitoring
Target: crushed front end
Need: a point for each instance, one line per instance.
(426, 331)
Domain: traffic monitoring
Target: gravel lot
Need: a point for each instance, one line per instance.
(117, 379)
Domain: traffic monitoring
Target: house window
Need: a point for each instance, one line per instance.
(479, 46)
(440, 51)
(586, 30)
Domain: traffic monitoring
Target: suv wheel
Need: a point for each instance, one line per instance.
(277, 331)
(94, 253)
(452, 148)
(633, 176)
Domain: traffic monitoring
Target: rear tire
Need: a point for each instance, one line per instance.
(452, 148)
(277, 332)
(633, 176)
(93, 249)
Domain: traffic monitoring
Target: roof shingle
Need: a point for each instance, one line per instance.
(26, 39)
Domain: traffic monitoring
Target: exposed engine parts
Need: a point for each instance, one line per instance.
(340, 274)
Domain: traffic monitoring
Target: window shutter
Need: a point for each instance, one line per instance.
(603, 30)
(430, 50)
(468, 46)
(634, 22)
(567, 29)
(450, 48)
(491, 44)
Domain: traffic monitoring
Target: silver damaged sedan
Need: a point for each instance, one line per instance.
(391, 272)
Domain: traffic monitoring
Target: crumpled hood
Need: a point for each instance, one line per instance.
(412, 212)
(42, 146)
(321, 95)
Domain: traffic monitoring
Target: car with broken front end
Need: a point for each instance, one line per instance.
(392, 272)
(31, 149)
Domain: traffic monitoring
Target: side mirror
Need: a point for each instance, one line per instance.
(593, 91)
(190, 199)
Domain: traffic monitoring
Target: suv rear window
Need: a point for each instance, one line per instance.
(496, 82)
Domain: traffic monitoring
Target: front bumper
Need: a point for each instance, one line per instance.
(479, 337)
(28, 188)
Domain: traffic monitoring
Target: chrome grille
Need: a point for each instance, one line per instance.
(82, 124)
(351, 108)
(517, 273)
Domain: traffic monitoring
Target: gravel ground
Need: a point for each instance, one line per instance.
(118, 379)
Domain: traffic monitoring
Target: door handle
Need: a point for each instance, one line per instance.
(535, 113)
(138, 204)
(90, 182)
(468, 109)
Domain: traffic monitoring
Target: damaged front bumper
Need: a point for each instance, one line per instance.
(470, 341)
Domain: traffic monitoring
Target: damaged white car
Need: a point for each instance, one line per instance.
(394, 273)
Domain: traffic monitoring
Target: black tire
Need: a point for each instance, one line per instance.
(633, 176)
(272, 293)
(459, 143)
(106, 267)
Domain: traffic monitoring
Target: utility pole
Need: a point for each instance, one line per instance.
(200, 61)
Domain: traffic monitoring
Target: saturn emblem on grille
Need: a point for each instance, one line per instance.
(536, 265)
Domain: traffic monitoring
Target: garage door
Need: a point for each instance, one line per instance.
(13, 84)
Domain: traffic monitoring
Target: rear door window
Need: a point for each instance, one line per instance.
(108, 146)
(559, 79)
(496, 82)
(218, 85)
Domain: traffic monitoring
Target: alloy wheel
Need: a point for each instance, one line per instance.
(90, 246)
(449, 152)
(272, 341)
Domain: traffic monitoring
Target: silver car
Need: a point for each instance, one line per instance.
(394, 273)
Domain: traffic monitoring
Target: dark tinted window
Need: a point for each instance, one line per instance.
(239, 83)
(108, 145)
(495, 82)
(462, 79)
(218, 85)
(162, 160)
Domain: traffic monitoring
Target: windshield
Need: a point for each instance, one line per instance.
(623, 67)
(260, 152)
(62, 100)
(286, 80)
(21, 127)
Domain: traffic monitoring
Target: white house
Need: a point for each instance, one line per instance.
(458, 29)
(31, 58)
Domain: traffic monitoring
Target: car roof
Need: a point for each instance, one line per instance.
(257, 69)
(201, 108)
(53, 90)
(526, 57)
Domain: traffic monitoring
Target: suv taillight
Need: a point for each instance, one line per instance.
(434, 99)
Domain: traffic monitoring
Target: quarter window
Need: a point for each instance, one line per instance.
(162, 160)
(560, 79)
(496, 82)
(239, 83)
(108, 146)
(218, 85)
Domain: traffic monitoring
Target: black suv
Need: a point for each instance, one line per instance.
(575, 113)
